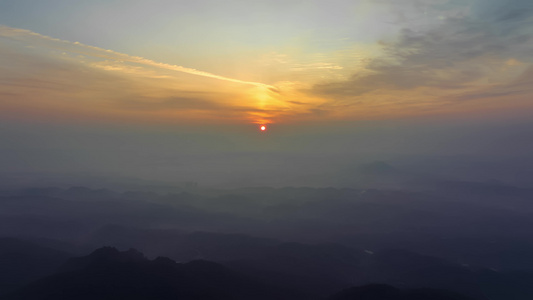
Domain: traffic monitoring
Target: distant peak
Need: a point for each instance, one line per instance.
(113, 253)
(104, 255)
(162, 260)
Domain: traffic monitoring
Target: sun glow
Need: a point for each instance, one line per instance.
(263, 128)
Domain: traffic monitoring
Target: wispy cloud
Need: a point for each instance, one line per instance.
(463, 55)
(77, 47)
(455, 54)
(43, 75)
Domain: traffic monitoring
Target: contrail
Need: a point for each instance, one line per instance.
(79, 48)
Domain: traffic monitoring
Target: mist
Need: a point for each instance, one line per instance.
(299, 155)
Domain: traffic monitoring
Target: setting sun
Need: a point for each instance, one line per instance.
(263, 128)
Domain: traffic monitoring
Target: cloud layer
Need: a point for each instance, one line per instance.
(429, 57)
(480, 54)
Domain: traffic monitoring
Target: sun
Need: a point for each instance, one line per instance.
(263, 128)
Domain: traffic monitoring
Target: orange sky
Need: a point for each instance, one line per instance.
(350, 61)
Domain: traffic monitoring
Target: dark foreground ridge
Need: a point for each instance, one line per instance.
(387, 292)
(111, 274)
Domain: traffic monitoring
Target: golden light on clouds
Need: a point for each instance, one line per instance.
(45, 76)
(125, 85)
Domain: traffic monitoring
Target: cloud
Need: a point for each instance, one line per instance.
(470, 51)
(171, 103)
(47, 76)
(458, 56)
(522, 86)
(77, 47)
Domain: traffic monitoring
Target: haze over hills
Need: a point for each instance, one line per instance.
(450, 235)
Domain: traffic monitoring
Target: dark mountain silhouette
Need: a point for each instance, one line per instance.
(182, 246)
(318, 268)
(311, 239)
(22, 262)
(110, 274)
(326, 268)
(387, 292)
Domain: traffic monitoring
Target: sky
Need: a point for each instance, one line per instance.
(87, 84)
